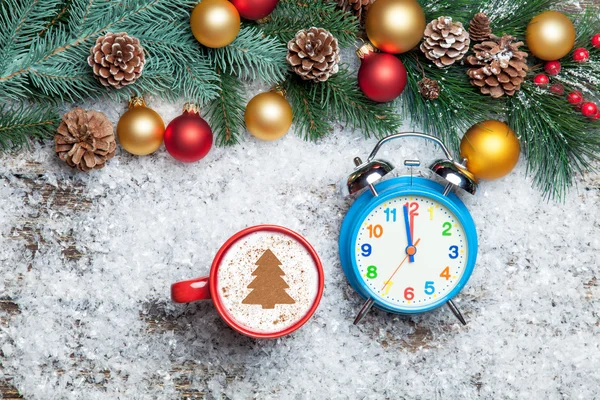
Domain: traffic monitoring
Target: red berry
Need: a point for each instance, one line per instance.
(589, 109)
(552, 68)
(557, 89)
(581, 55)
(575, 98)
(596, 41)
(541, 80)
(597, 116)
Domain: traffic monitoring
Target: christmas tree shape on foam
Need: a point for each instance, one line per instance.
(268, 286)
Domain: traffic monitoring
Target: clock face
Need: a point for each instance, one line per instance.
(411, 252)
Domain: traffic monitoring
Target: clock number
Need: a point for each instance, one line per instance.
(429, 289)
(447, 226)
(430, 209)
(376, 231)
(445, 273)
(409, 293)
(388, 286)
(372, 272)
(412, 207)
(389, 211)
(453, 252)
(366, 250)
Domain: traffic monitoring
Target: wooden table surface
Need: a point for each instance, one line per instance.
(68, 197)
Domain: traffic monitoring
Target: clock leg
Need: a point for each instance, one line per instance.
(364, 310)
(455, 311)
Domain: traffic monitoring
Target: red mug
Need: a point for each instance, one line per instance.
(265, 281)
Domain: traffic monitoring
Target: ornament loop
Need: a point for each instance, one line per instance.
(137, 101)
(279, 89)
(365, 49)
(191, 108)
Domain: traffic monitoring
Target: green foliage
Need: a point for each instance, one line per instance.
(316, 106)
(19, 122)
(290, 16)
(227, 110)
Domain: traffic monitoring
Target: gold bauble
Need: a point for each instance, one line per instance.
(140, 130)
(550, 35)
(491, 149)
(215, 23)
(268, 116)
(395, 26)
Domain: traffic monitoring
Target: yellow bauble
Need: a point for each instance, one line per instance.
(215, 23)
(491, 149)
(550, 35)
(268, 116)
(395, 26)
(140, 130)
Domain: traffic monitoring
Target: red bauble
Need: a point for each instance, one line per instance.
(552, 68)
(541, 80)
(381, 76)
(589, 109)
(575, 98)
(596, 41)
(557, 89)
(581, 55)
(254, 9)
(188, 138)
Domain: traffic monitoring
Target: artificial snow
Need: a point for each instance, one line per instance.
(103, 327)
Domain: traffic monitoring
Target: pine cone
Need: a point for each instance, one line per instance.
(85, 139)
(445, 41)
(117, 59)
(479, 28)
(357, 7)
(429, 88)
(314, 54)
(501, 66)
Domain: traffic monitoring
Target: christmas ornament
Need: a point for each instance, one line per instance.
(552, 68)
(215, 23)
(550, 35)
(254, 9)
(445, 41)
(188, 138)
(314, 54)
(356, 7)
(117, 59)
(491, 149)
(541, 80)
(85, 139)
(268, 115)
(589, 109)
(395, 26)
(557, 89)
(575, 98)
(581, 55)
(265, 282)
(500, 66)
(429, 88)
(596, 41)
(381, 77)
(479, 28)
(140, 129)
(408, 244)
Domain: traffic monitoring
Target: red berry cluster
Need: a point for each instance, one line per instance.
(552, 68)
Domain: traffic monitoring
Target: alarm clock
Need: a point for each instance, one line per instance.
(408, 244)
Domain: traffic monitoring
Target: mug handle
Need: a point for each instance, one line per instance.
(191, 290)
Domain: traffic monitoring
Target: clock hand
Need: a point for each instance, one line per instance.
(410, 249)
(401, 263)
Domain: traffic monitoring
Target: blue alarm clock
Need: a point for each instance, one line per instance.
(408, 244)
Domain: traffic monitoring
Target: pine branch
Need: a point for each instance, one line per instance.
(251, 56)
(226, 112)
(18, 123)
(290, 16)
(557, 140)
(316, 106)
